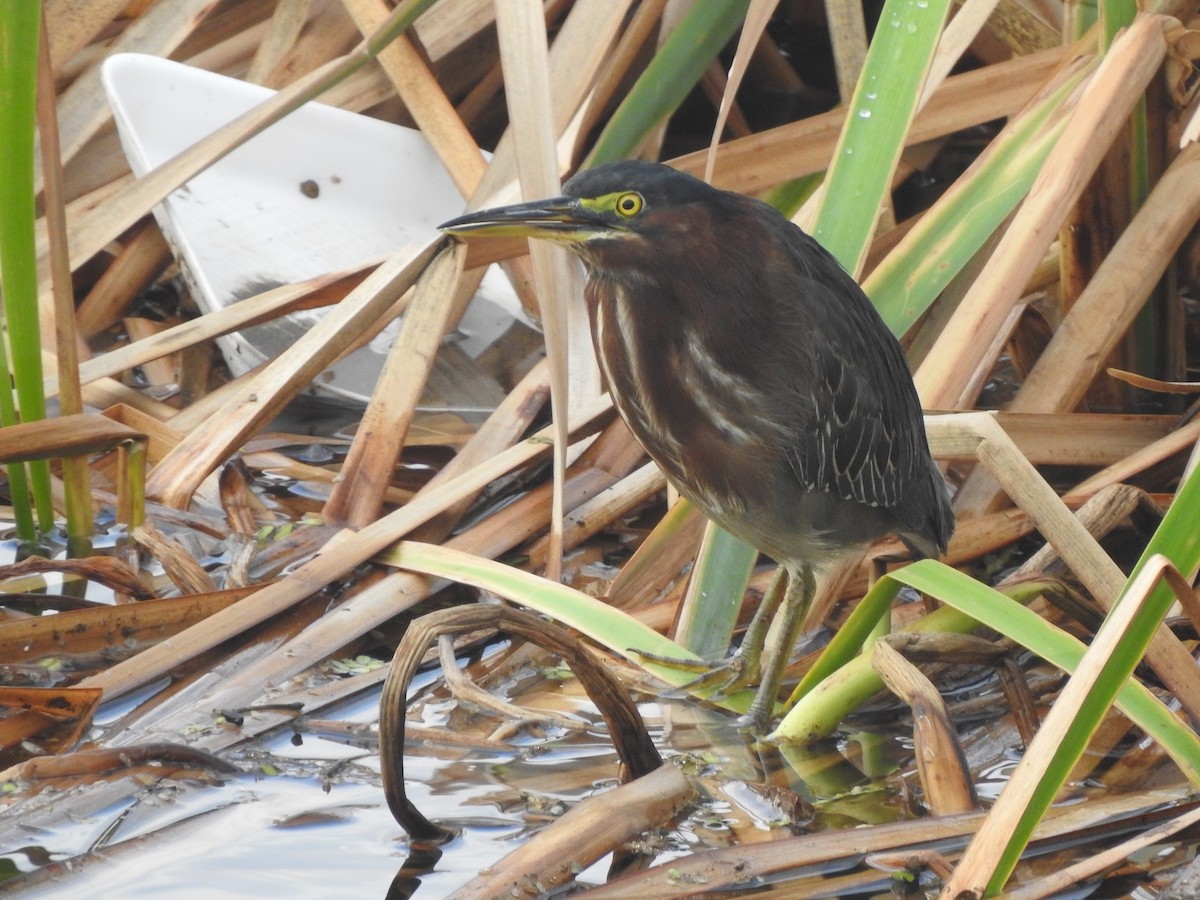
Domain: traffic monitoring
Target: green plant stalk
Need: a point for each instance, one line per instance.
(958, 225)
(827, 698)
(18, 255)
(881, 112)
(789, 196)
(135, 479)
(709, 612)
(1082, 15)
(76, 474)
(671, 74)
(1115, 15)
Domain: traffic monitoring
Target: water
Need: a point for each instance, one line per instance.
(303, 833)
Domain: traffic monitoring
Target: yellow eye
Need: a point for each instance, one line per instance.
(629, 205)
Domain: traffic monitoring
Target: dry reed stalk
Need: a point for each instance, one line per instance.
(660, 558)
(285, 466)
(503, 427)
(524, 59)
(730, 867)
(106, 392)
(619, 63)
(578, 52)
(225, 43)
(973, 538)
(753, 29)
(185, 421)
(609, 458)
(945, 378)
(57, 319)
(142, 259)
(160, 370)
(1082, 439)
(1118, 755)
(33, 636)
(1105, 510)
(424, 99)
(84, 631)
(83, 205)
(466, 691)
(68, 709)
(959, 32)
(331, 289)
(1106, 308)
(181, 567)
(170, 757)
(714, 84)
(1105, 860)
(635, 749)
(602, 510)
(1137, 461)
(195, 369)
(359, 91)
(81, 434)
(394, 593)
(357, 496)
(76, 23)
(1029, 25)
(848, 34)
(372, 606)
(328, 34)
(284, 28)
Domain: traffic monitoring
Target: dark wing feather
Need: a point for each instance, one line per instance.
(859, 433)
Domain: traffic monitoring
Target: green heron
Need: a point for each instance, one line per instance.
(754, 371)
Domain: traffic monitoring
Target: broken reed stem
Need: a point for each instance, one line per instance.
(942, 767)
(597, 826)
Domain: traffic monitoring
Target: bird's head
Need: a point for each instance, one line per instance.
(617, 212)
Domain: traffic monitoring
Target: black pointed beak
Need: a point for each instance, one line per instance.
(558, 219)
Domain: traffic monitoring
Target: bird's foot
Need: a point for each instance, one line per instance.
(714, 680)
(756, 661)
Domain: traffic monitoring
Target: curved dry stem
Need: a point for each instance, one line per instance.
(633, 744)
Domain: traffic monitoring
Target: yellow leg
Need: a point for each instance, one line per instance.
(801, 586)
